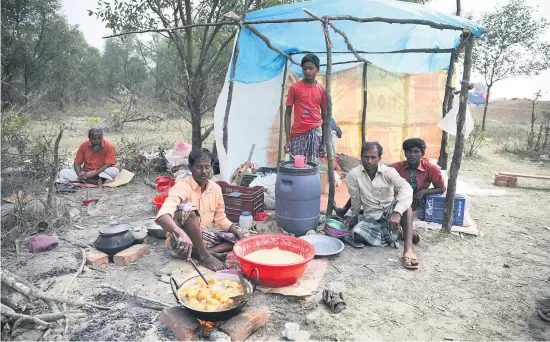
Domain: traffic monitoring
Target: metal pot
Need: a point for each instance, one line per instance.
(113, 239)
(215, 316)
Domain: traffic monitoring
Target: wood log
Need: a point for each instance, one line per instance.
(30, 292)
(7, 311)
(459, 142)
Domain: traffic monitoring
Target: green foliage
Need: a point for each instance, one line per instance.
(475, 140)
(514, 43)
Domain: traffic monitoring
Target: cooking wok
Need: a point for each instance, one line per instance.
(215, 316)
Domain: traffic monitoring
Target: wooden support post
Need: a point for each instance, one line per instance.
(232, 79)
(459, 144)
(282, 114)
(327, 123)
(365, 103)
(443, 156)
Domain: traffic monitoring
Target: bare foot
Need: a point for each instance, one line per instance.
(212, 263)
(410, 260)
(220, 256)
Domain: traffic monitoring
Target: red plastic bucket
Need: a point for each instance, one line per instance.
(164, 180)
(274, 275)
(159, 200)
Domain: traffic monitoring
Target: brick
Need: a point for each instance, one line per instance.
(96, 258)
(131, 254)
(180, 323)
(240, 327)
(512, 184)
(501, 183)
(505, 178)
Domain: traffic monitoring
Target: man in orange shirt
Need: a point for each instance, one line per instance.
(95, 160)
(193, 205)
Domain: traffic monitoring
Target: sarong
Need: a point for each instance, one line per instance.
(210, 236)
(308, 145)
(376, 231)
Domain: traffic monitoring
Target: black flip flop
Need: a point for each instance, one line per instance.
(351, 241)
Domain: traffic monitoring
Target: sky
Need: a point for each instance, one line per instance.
(522, 87)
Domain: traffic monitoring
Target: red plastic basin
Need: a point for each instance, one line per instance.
(274, 275)
(164, 180)
(159, 200)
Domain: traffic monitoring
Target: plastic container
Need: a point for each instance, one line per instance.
(434, 205)
(297, 198)
(159, 200)
(299, 162)
(164, 180)
(246, 220)
(274, 276)
(248, 199)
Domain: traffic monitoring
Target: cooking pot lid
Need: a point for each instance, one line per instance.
(112, 230)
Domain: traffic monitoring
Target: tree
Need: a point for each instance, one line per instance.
(531, 135)
(123, 65)
(512, 46)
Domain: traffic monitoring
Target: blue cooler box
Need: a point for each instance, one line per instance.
(433, 206)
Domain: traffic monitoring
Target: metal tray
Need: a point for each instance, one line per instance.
(324, 245)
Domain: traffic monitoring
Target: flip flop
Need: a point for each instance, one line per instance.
(410, 263)
(351, 241)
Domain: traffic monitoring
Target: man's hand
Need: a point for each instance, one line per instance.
(185, 246)
(235, 232)
(418, 195)
(82, 176)
(395, 221)
(287, 147)
(322, 151)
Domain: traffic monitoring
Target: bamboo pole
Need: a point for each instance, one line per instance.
(222, 23)
(340, 32)
(429, 23)
(232, 79)
(365, 102)
(443, 156)
(281, 114)
(328, 121)
(265, 39)
(459, 143)
(380, 52)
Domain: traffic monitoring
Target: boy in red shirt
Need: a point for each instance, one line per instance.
(307, 137)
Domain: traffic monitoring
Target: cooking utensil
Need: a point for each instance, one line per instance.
(324, 245)
(159, 200)
(335, 224)
(214, 316)
(245, 297)
(155, 230)
(274, 275)
(113, 239)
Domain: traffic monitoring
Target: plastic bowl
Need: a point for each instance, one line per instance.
(274, 276)
(159, 200)
(164, 180)
(334, 232)
(335, 225)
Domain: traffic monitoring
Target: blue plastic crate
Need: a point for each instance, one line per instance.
(434, 206)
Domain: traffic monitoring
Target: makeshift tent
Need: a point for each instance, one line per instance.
(398, 51)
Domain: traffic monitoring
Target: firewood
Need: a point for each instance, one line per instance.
(30, 292)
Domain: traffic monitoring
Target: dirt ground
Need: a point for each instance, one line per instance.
(467, 288)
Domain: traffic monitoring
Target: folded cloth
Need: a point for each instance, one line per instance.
(41, 243)
(334, 300)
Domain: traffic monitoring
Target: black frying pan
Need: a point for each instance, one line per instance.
(215, 316)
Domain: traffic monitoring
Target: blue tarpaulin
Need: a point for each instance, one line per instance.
(258, 63)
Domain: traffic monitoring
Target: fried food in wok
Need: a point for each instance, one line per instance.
(211, 297)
